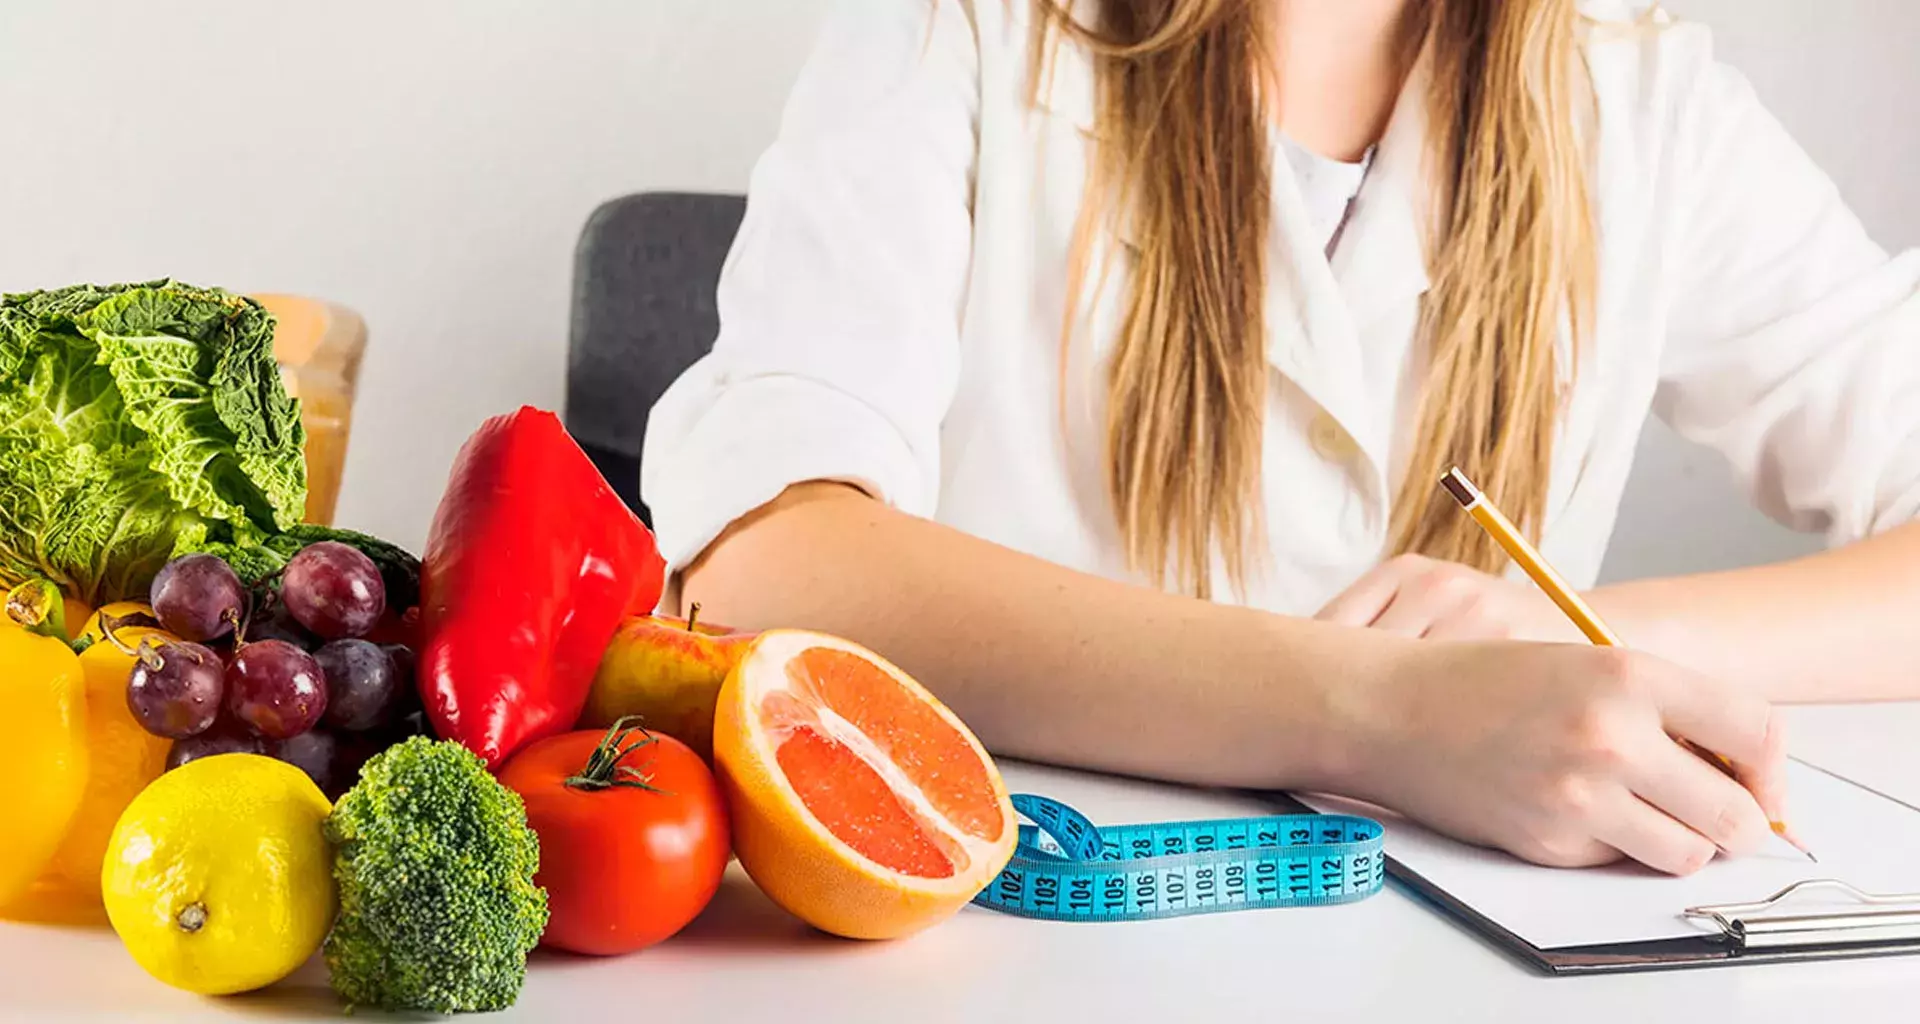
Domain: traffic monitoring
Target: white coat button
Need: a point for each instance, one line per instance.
(1330, 439)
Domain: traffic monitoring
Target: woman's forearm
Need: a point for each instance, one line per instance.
(1562, 753)
(1043, 662)
(1834, 626)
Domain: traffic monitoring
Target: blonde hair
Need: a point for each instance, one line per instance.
(1183, 147)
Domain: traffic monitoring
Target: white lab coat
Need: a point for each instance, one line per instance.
(891, 314)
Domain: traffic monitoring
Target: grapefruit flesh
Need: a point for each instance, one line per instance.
(861, 804)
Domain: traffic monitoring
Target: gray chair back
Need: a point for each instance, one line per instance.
(644, 276)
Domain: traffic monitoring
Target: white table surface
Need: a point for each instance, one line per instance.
(1384, 958)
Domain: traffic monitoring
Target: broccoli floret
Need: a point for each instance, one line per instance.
(434, 862)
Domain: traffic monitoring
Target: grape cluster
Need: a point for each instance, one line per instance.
(287, 668)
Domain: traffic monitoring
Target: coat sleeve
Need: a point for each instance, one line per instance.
(840, 300)
(1794, 340)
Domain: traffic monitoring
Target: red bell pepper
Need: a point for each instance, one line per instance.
(531, 564)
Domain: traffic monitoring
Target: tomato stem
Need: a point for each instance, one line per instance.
(603, 768)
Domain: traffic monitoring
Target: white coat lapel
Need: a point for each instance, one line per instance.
(1319, 311)
(1310, 336)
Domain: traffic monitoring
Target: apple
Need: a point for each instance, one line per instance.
(668, 672)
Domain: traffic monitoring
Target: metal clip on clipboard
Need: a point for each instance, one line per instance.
(1750, 926)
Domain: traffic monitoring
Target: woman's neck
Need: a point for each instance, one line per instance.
(1338, 68)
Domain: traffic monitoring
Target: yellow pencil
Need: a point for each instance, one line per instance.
(1502, 530)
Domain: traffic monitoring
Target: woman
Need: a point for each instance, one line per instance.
(1099, 366)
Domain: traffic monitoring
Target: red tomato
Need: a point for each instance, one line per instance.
(626, 862)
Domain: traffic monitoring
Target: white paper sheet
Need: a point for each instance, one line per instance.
(1872, 744)
(1862, 838)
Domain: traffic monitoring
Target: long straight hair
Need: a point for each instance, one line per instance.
(1182, 129)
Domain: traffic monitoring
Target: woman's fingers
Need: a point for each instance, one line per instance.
(1410, 596)
(1367, 597)
(1769, 787)
(1699, 797)
(1725, 721)
(1424, 598)
(1649, 835)
(1417, 607)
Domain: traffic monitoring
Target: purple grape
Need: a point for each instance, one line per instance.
(276, 688)
(277, 623)
(174, 689)
(351, 750)
(361, 684)
(197, 597)
(223, 738)
(403, 678)
(311, 752)
(334, 590)
(403, 661)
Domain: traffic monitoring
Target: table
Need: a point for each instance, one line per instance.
(1385, 958)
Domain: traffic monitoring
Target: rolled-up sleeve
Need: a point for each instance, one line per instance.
(1794, 344)
(840, 301)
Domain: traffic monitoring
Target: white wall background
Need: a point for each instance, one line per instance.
(429, 162)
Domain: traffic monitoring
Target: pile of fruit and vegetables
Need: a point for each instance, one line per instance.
(256, 740)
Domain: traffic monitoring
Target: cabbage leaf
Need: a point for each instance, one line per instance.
(138, 421)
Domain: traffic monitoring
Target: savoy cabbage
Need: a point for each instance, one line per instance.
(137, 421)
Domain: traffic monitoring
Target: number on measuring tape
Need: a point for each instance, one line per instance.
(1066, 869)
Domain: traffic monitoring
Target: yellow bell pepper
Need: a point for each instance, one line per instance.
(43, 734)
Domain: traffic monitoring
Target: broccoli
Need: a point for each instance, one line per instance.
(434, 862)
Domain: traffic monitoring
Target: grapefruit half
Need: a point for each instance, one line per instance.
(859, 802)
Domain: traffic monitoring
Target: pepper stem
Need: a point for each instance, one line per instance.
(693, 615)
(36, 607)
(603, 768)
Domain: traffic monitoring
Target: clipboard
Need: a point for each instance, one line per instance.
(1864, 902)
(1762, 931)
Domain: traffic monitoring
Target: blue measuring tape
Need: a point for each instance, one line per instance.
(1067, 869)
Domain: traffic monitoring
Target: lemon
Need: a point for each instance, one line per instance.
(217, 877)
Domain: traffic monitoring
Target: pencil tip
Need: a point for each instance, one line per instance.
(1780, 829)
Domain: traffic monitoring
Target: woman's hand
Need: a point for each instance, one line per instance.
(1565, 754)
(1420, 597)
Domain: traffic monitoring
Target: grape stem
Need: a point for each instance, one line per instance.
(241, 620)
(604, 770)
(148, 655)
(109, 623)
